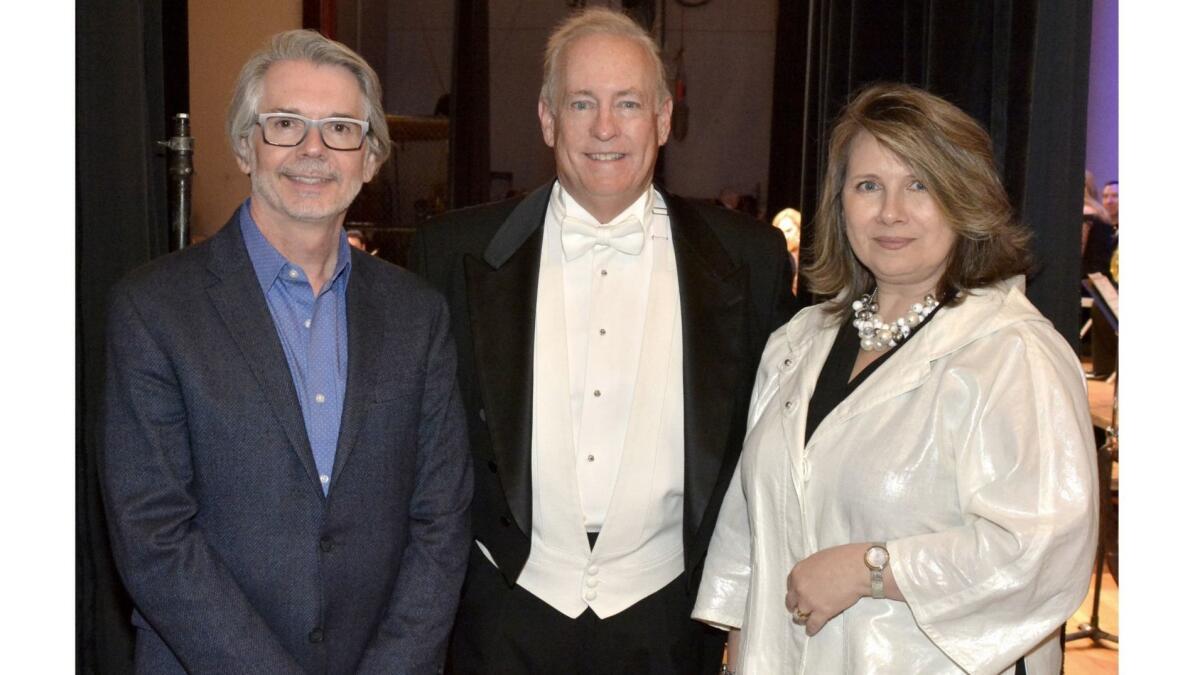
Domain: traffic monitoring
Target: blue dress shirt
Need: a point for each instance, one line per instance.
(312, 330)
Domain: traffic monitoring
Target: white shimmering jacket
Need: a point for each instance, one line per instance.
(969, 452)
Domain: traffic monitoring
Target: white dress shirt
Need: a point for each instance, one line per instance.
(605, 293)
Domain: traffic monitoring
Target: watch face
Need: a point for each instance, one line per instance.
(877, 557)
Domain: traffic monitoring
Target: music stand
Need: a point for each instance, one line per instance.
(1105, 298)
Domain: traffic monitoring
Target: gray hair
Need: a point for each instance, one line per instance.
(311, 46)
(593, 21)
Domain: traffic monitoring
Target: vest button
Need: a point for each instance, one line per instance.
(316, 636)
(492, 466)
(326, 544)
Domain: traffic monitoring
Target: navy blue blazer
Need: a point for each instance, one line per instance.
(235, 559)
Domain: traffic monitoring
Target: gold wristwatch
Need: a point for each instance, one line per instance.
(877, 560)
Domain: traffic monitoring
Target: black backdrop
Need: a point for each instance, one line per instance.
(130, 75)
(1020, 67)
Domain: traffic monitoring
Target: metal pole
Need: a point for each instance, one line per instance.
(179, 170)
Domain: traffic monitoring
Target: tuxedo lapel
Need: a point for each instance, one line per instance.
(712, 299)
(238, 299)
(502, 297)
(364, 329)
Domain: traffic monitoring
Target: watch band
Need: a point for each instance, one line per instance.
(877, 584)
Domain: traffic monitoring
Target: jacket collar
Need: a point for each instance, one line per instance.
(502, 295)
(238, 298)
(984, 312)
(235, 293)
(518, 227)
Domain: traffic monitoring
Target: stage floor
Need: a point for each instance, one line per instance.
(1085, 657)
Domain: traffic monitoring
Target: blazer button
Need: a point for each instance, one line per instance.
(326, 544)
(505, 521)
(492, 466)
(316, 636)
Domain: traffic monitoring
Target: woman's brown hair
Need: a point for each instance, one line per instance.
(952, 155)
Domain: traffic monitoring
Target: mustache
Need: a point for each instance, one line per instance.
(311, 168)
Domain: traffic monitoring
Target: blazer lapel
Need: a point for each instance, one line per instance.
(364, 328)
(502, 296)
(239, 301)
(711, 298)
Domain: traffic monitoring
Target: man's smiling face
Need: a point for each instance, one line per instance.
(605, 127)
(309, 182)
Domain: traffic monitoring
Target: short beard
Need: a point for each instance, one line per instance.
(263, 188)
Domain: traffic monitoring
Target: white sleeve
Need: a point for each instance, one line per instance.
(725, 586)
(988, 591)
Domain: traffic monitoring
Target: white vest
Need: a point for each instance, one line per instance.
(640, 546)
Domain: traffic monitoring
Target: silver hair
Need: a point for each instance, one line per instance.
(311, 46)
(596, 21)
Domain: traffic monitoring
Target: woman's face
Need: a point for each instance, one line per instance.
(892, 221)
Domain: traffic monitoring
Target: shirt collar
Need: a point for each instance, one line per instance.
(562, 204)
(268, 262)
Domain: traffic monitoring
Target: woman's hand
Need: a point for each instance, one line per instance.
(827, 582)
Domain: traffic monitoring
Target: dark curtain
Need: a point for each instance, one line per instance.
(121, 81)
(470, 113)
(1020, 67)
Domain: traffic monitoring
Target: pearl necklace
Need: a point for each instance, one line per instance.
(878, 336)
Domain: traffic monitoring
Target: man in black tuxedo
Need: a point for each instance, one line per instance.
(285, 462)
(608, 334)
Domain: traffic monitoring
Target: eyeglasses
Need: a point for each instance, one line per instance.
(288, 130)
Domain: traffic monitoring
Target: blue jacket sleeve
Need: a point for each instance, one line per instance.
(412, 636)
(177, 583)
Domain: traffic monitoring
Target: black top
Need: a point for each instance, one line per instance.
(1098, 249)
(834, 383)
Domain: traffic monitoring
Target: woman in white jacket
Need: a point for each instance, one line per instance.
(917, 488)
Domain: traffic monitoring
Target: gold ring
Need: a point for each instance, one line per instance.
(800, 617)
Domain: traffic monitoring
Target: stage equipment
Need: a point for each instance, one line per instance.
(179, 170)
(1105, 298)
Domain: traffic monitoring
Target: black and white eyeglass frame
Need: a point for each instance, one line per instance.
(309, 124)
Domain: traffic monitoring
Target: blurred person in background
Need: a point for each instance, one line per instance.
(787, 221)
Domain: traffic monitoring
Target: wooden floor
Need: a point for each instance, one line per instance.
(1085, 656)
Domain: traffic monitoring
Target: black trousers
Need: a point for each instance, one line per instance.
(505, 630)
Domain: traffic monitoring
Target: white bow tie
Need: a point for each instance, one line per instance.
(579, 236)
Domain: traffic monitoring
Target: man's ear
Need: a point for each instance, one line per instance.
(664, 121)
(247, 152)
(546, 117)
(370, 165)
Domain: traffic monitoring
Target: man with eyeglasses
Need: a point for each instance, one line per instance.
(284, 462)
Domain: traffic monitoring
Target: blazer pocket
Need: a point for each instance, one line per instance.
(391, 390)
